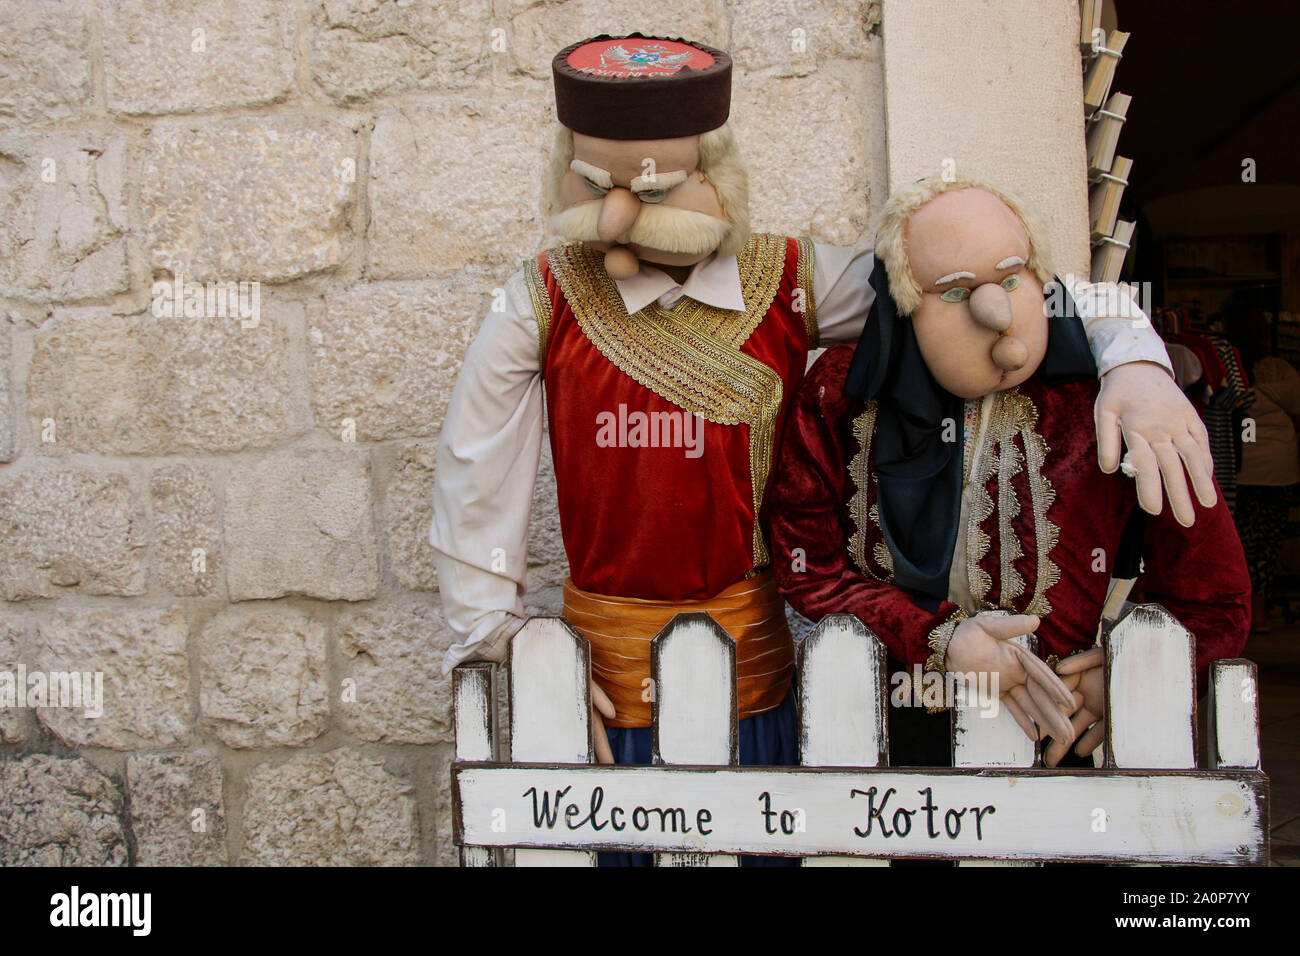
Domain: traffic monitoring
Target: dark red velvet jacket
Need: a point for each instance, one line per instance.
(1198, 573)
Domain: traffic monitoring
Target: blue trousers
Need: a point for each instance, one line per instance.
(770, 739)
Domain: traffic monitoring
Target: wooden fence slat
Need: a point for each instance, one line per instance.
(1150, 719)
(842, 705)
(980, 740)
(693, 679)
(550, 710)
(475, 719)
(1234, 715)
(1150, 723)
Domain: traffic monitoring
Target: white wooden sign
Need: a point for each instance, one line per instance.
(1028, 814)
(843, 806)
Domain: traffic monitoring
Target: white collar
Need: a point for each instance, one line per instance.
(714, 281)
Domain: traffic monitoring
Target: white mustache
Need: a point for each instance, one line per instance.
(665, 228)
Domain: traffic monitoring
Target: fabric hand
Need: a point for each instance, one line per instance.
(1037, 699)
(600, 704)
(1164, 435)
(1085, 676)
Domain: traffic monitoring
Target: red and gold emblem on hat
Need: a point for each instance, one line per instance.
(633, 57)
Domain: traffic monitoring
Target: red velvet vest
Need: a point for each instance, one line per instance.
(665, 424)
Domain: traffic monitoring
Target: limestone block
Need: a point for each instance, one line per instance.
(299, 522)
(361, 49)
(171, 56)
(386, 354)
(340, 808)
(264, 197)
(454, 184)
(262, 677)
(178, 814)
(187, 538)
(63, 216)
(393, 689)
(137, 655)
(59, 811)
(71, 530)
(150, 385)
(45, 49)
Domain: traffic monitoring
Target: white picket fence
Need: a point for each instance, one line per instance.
(1147, 803)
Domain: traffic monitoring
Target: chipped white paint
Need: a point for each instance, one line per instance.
(990, 737)
(694, 673)
(1234, 715)
(1157, 816)
(842, 704)
(549, 710)
(475, 716)
(1150, 691)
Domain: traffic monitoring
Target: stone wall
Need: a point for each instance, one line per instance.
(226, 517)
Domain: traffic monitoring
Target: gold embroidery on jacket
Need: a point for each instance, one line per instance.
(1009, 465)
(690, 355)
(1046, 534)
(804, 274)
(864, 429)
(542, 307)
(981, 506)
(1012, 415)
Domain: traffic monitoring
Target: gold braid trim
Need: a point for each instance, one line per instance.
(542, 307)
(690, 355)
(1014, 414)
(981, 506)
(880, 551)
(1046, 534)
(1009, 465)
(938, 642)
(864, 429)
(804, 281)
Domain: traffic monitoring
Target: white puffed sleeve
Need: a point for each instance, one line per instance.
(487, 463)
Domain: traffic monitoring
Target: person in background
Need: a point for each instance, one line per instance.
(1270, 472)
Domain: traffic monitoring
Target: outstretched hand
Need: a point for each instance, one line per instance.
(1141, 403)
(1037, 698)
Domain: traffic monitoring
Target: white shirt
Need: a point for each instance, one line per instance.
(491, 440)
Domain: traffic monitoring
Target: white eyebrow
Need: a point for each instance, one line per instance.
(954, 276)
(658, 181)
(1010, 261)
(597, 175)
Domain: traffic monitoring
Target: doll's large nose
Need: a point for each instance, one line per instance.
(991, 307)
(618, 210)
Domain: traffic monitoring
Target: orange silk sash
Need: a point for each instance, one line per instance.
(620, 631)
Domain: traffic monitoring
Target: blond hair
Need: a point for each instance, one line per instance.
(891, 234)
(720, 161)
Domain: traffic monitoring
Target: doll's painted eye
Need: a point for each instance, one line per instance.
(1010, 282)
(652, 195)
(598, 190)
(956, 294)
